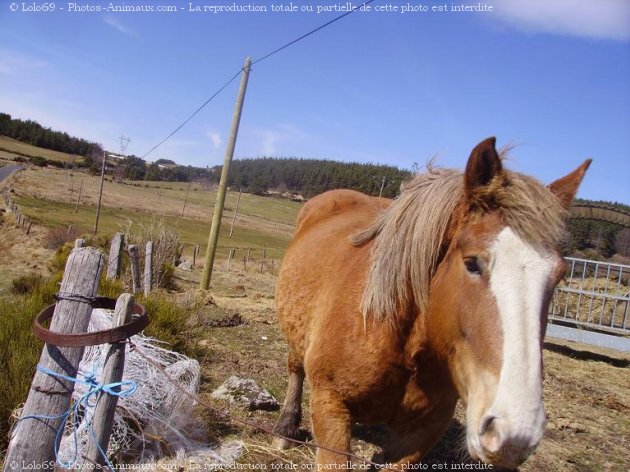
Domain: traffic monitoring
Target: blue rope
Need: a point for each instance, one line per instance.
(122, 389)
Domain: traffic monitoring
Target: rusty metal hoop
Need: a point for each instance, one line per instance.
(108, 336)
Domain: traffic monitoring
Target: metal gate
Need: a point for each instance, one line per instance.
(591, 304)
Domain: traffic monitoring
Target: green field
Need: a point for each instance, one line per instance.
(56, 214)
(10, 148)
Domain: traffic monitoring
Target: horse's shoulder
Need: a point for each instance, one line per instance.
(336, 202)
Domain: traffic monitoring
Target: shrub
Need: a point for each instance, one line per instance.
(57, 237)
(26, 284)
(38, 161)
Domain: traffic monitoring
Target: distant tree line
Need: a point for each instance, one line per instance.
(310, 177)
(601, 237)
(33, 133)
(307, 177)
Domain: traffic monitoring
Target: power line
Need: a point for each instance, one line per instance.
(266, 56)
(355, 8)
(194, 113)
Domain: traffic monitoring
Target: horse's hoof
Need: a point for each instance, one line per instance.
(281, 444)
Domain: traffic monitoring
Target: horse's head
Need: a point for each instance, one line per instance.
(489, 297)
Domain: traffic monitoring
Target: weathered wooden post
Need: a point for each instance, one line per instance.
(263, 261)
(148, 273)
(32, 440)
(195, 252)
(103, 419)
(229, 261)
(114, 262)
(76, 208)
(135, 268)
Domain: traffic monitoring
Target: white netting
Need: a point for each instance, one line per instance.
(158, 419)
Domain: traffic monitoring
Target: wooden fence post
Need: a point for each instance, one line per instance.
(135, 268)
(113, 266)
(103, 419)
(148, 272)
(263, 261)
(32, 440)
(76, 208)
(229, 261)
(195, 252)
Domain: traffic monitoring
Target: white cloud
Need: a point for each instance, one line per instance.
(602, 19)
(215, 138)
(118, 25)
(271, 142)
(14, 63)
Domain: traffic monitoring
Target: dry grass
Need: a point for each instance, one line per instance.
(264, 214)
(21, 255)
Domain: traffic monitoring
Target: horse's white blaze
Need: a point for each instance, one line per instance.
(519, 276)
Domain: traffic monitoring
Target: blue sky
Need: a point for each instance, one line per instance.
(550, 77)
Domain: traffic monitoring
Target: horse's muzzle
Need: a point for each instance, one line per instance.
(500, 445)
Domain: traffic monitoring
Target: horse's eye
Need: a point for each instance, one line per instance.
(472, 265)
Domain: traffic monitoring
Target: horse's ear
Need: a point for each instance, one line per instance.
(483, 165)
(566, 187)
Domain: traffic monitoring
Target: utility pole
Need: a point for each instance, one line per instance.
(100, 193)
(186, 198)
(238, 202)
(220, 202)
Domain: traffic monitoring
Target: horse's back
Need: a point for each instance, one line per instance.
(352, 205)
(322, 271)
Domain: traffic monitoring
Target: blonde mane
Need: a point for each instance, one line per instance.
(409, 235)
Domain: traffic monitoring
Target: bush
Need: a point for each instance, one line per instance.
(26, 284)
(57, 237)
(38, 161)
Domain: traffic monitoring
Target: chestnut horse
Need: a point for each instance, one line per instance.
(395, 309)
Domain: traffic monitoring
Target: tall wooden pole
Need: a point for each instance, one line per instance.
(220, 202)
(100, 193)
(238, 202)
(186, 198)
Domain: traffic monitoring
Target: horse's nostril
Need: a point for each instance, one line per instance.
(489, 435)
(487, 425)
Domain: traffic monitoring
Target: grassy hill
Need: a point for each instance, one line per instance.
(10, 148)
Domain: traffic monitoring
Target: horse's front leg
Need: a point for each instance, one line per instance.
(331, 426)
(413, 437)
